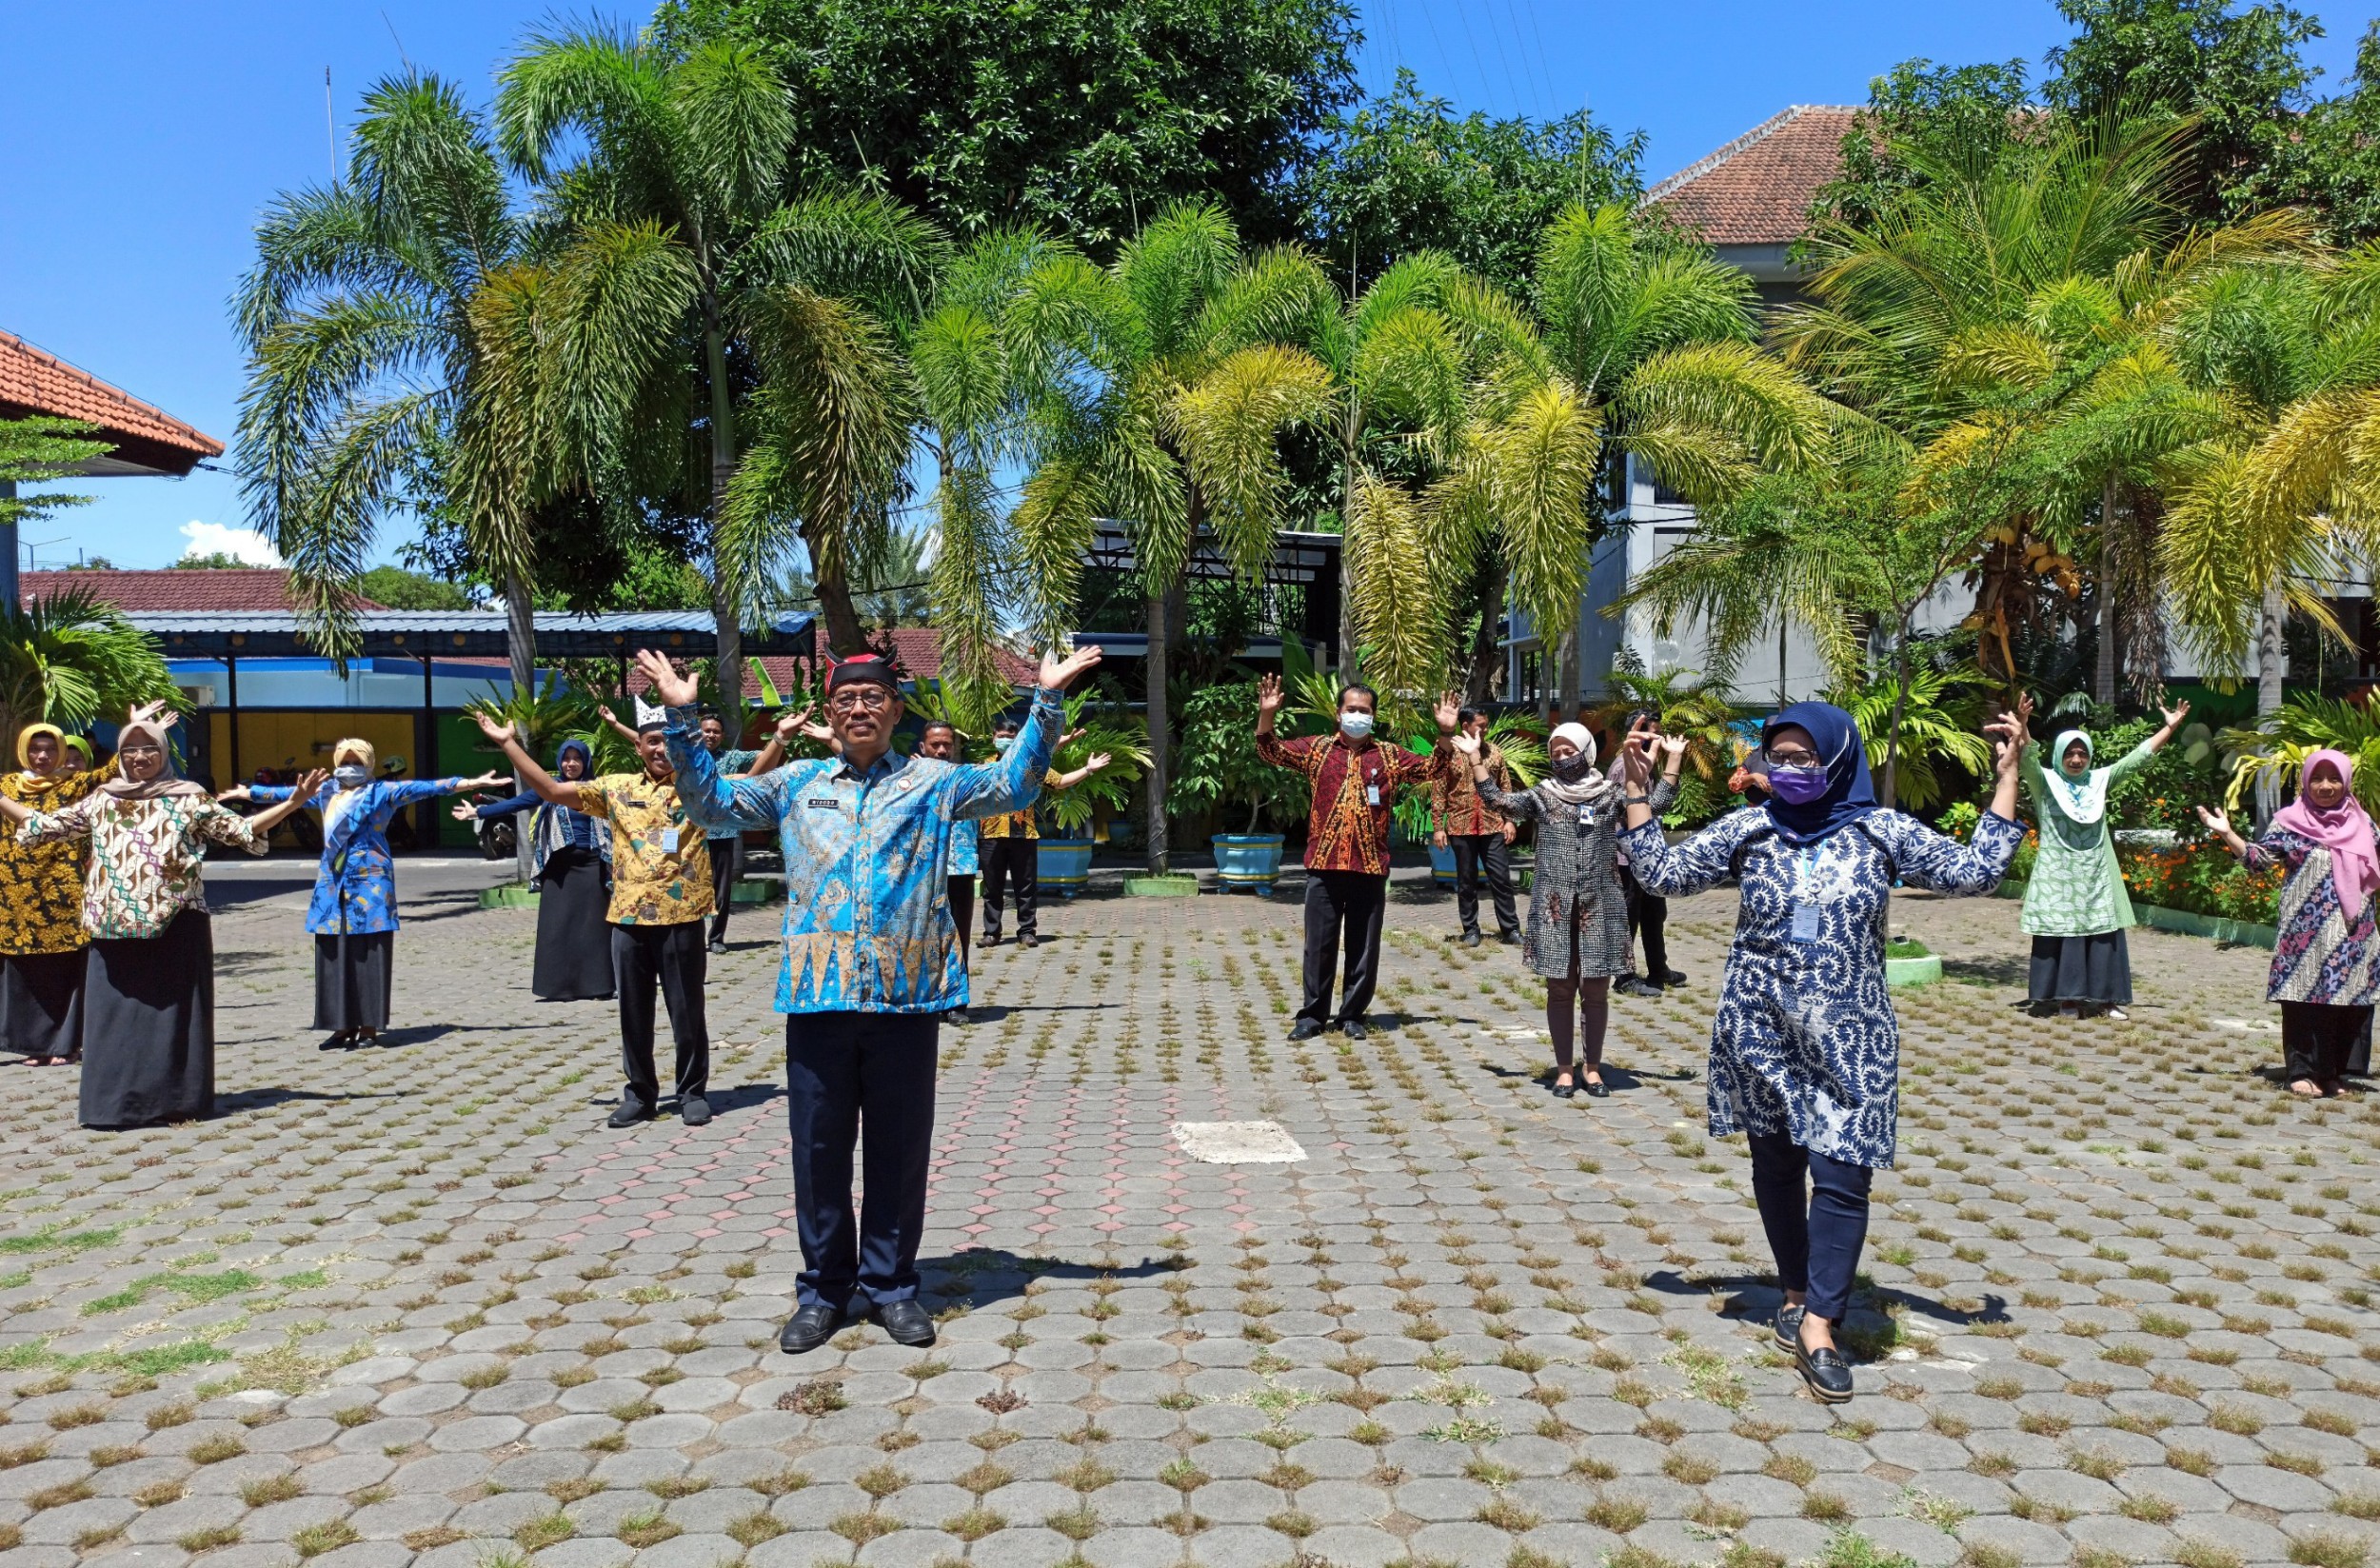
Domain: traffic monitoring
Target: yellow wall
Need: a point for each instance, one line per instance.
(284, 740)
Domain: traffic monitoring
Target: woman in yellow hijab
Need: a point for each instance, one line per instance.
(41, 908)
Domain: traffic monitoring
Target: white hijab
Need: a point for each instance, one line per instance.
(1591, 786)
(2082, 800)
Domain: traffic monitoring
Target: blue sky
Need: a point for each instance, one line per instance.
(142, 138)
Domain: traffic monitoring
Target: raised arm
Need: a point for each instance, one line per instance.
(254, 834)
(1695, 865)
(1520, 808)
(1067, 781)
(1297, 753)
(524, 767)
(404, 792)
(625, 732)
(1014, 782)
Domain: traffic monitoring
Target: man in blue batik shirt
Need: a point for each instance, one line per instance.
(871, 964)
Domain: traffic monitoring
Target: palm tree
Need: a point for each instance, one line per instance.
(2276, 497)
(1159, 387)
(370, 318)
(70, 658)
(700, 314)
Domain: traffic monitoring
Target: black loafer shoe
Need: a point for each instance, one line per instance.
(1825, 1371)
(1352, 1028)
(1635, 985)
(1598, 1089)
(907, 1322)
(694, 1110)
(1787, 1327)
(808, 1328)
(1469, 939)
(1305, 1028)
(1564, 1091)
(1671, 976)
(1510, 939)
(629, 1114)
(1028, 940)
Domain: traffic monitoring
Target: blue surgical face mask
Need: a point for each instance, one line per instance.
(350, 775)
(999, 743)
(1356, 726)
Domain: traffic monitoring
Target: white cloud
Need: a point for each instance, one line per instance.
(244, 544)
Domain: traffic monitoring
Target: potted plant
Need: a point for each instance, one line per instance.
(1217, 769)
(1100, 726)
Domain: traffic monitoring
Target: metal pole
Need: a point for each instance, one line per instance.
(425, 759)
(232, 683)
(8, 547)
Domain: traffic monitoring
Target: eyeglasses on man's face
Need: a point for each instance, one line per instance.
(872, 699)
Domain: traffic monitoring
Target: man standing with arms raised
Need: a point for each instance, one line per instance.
(871, 964)
(1355, 780)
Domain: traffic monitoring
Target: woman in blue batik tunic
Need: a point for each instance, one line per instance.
(353, 914)
(1805, 1054)
(571, 867)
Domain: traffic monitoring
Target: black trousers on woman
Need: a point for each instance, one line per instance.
(1814, 1209)
(1647, 923)
(2317, 1037)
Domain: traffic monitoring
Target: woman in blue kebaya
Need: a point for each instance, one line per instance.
(353, 914)
(1805, 1054)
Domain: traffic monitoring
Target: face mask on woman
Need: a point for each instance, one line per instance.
(1798, 785)
(350, 775)
(999, 743)
(1356, 726)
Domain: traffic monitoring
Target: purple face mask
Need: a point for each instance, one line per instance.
(1798, 785)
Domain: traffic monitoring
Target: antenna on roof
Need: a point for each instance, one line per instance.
(330, 124)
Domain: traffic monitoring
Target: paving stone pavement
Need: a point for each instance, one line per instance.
(417, 1306)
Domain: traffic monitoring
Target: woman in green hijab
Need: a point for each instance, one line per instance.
(2075, 907)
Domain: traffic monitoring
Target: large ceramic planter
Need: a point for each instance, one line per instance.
(511, 895)
(1926, 969)
(1442, 864)
(1247, 861)
(1064, 865)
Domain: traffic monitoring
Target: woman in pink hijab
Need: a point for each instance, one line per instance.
(2324, 963)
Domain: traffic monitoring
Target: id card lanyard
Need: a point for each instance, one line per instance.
(1805, 926)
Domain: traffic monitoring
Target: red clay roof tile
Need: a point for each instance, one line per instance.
(191, 590)
(1757, 190)
(34, 381)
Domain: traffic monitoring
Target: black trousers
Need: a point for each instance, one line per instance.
(1648, 914)
(1814, 1208)
(1353, 902)
(844, 1071)
(671, 956)
(1474, 852)
(1015, 863)
(726, 857)
(2317, 1037)
(961, 894)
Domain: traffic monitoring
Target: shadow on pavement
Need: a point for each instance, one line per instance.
(982, 1276)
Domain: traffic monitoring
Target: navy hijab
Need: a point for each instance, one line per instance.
(1848, 795)
(586, 758)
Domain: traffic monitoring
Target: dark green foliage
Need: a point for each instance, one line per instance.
(1963, 115)
(1404, 174)
(33, 450)
(1216, 767)
(2339, 173)
(2237, 72)
(411, 590)
(1079, 116)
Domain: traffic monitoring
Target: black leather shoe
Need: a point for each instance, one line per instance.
(1564, 1091)
(808, 1328)
(1305, 1028)
(340, 1042)
(694, 1110)
(1787, 1327)
(1825, 1371)
(907, 1322)
(629, 1114)
(1598, 1089)
(989, 939)
(1352, 1028)
(1635, 985)
(1027, 939)
(960, 1016)
(1510, 939)
(718, 949)
(1469, 939)
(1671, 976)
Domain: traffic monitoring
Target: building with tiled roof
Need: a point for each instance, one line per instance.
(147, 441)
(1750, 199)
(213, 590)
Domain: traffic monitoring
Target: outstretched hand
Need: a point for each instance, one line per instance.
(2174, 716)
(1099, 760)
(2008, 740)
(497, 731)
(1058, 674)
(308, 785)
(675, 687)
(1672, 749)
(1467, 744)
(1269, 696)
(464, 811)
(1635, 758)
(1448, 711)
(2218, 822)
(153, 713)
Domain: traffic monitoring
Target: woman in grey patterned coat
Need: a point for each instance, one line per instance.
(1578, 936)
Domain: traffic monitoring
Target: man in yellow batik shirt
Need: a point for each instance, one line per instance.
(1010, 851)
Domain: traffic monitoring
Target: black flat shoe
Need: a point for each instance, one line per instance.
(1671, 976)
(808, 1328)
(1563, 1091)
(694, 1110)
(629, 1114)
(907, 1322)
(1596, 1088)
(1635, 985)
(1787, 1327)
(1352, 1028)
(1825, 1371)
(1469, 939)
(1305, 1028)
(339, 1041)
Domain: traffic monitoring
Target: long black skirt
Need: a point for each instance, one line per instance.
(2096, 969)
(149, 1026)
(573, 941)
(353, 977)
(41, 1003)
